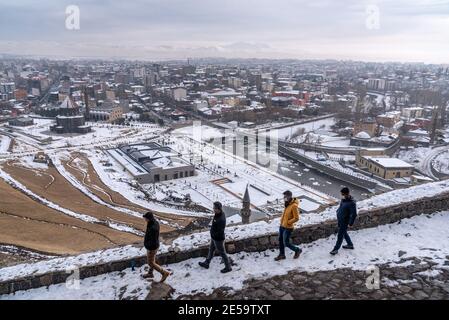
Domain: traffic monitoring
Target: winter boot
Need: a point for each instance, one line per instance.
(226, 270)
(279, 257)
(148, 275)
(165, 276)
(297, 254)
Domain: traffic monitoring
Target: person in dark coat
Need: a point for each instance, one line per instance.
(217, 234)
(346, 214)
(151, 243)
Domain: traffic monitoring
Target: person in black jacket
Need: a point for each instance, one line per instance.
(346, 214)
(151, 243)
(217, 233)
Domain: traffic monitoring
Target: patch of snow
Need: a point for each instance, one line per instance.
(4, 143)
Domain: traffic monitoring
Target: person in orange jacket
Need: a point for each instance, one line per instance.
(288, 220)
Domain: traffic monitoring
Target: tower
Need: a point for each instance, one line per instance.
(86, 103)
(246, 210)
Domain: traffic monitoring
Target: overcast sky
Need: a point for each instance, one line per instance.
(406, 30)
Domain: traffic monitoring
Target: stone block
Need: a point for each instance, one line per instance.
(252, 249)
(57, 277)
(177, 257)
(230, 247)
(264, 241)
(88, 271)
(274, 240)
(4, 288)
(118, 265)
(22, 284)
(162, 259)
(45, 280)
(239, 246)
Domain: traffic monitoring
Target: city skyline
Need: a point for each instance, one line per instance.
(403, 31)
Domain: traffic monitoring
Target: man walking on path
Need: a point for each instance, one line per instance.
(151, 243)
(346, 214)
(217, 233)
(288, 220)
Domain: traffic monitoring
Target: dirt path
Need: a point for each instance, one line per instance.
(88, 179)
(91, 180)
(27, 223)
(62, 193)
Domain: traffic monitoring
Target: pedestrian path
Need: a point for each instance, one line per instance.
(412, 257)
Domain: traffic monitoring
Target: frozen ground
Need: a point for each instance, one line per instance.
(420, 236)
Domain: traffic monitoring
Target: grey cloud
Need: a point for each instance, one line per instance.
(229, 27)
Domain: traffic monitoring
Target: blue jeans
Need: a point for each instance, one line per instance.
(342, 233)
(284, 241)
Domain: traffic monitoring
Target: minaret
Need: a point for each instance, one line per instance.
(86, 104)
(246, 210)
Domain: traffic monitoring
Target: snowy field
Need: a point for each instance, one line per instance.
(264, 185)
(33, 138)
(325, 124)
(316, 132)
(122, 182)
(420, 236)
(4, 143)
(321, 137)
(205, 132)
(213, 164)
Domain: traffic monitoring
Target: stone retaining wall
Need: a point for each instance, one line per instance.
(305, 234)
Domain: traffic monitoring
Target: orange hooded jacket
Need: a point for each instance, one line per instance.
(291, 214)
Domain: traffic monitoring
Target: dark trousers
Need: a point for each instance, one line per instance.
(220, 248)
(342, 233)
(284, 241)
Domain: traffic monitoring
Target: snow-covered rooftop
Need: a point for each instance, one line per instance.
(390, 162)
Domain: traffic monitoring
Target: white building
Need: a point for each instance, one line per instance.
(179, 93)
(413, 112)
(376, 84)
